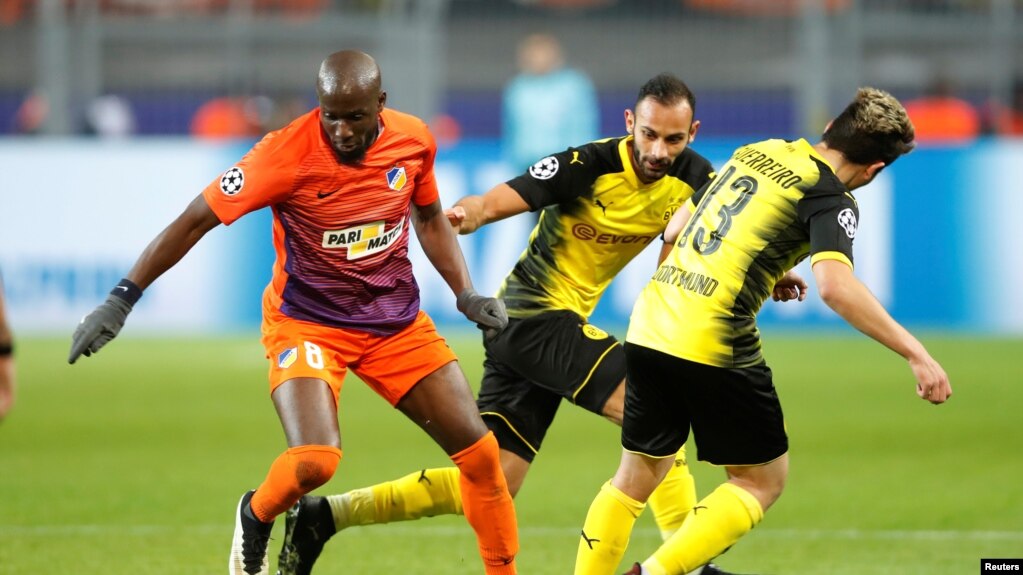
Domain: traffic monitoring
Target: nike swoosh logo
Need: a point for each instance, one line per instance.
(121, 287)
(322, 195)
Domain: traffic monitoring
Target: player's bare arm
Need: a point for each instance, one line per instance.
(473, 212)
(845, 294)
(174, 242)
(105, 322)
(441, 248)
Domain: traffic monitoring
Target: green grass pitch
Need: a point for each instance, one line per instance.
(133, 460)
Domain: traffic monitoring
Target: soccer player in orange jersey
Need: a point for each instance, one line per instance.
(343, 181)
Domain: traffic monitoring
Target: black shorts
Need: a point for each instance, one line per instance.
(536, 362)
(735, 414)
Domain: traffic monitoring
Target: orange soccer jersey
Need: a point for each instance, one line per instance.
(340, 231)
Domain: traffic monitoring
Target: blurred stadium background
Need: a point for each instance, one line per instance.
(131, 462)
(106, 107)
(760, 66)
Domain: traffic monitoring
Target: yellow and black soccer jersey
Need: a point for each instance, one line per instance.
(771, 205)
(597, 215)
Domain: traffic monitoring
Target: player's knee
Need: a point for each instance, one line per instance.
(767, 491)
(315, 465)
(776, 487)
(479, 461)
(766, 482)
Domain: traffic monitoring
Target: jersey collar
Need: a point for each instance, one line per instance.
(814, 153)
(629, 170)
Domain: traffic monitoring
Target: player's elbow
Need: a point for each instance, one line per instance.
(833, 279)
(670, 236)
(833, 293)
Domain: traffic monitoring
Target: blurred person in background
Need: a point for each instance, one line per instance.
(548, 106)
(7, 379)
(109, 116)
(230, 117)
(344, 181)
(13, 10)
(33, 112)
(285, 108)
(1006, 120)
(693, 350)
(940, 116)
(601, 204)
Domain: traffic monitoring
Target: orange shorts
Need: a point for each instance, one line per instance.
(389, 364)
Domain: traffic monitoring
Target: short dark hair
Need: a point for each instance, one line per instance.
(667, 89)
(874, 127)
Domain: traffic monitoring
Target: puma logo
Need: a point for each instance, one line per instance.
(575, 159)
(601, 205)
(313, 530)
(589, 542)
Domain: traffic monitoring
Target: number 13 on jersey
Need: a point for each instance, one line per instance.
(730, 201)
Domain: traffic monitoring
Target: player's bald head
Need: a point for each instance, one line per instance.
(351, 101)
(348, 72)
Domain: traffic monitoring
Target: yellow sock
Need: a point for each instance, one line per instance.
(606, 531)
(674, 497)
(715, 524)
(421, 494)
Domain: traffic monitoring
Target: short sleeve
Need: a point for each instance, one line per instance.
(832, 220)
(263, 177)
(426, 191)
(558, 178)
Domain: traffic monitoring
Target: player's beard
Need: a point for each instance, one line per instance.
(641, 166)
(357, 153)
(355, 156)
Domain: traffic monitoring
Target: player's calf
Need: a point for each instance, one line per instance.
(488, 505)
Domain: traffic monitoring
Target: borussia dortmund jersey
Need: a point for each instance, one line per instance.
(773, 204)
(596, 217)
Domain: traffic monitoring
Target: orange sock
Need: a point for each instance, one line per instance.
(294, 473)
(488, 505)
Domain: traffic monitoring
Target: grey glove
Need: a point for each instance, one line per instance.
(105, 322)
(488, 313)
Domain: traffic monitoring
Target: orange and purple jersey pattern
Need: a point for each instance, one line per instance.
(340, 231)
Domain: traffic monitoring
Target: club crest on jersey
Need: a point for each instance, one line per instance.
(594, 332)
(232, 181)
(544, 169)
(396, 178)
(847, 219)
(287, 358)
(363, 240)
(670, 211)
